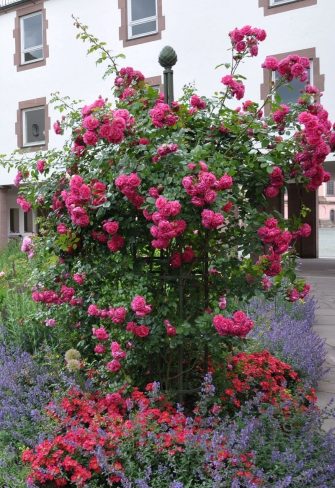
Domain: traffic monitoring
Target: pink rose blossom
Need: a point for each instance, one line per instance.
(116, 351)
(40, 165)
(111, 227)
(50, 322)
(116, 243)
(113, 366)
(100, 349)
(26, 206)
(101, 334)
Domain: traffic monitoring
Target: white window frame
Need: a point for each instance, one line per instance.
(131, 23)
(273, 3)
(21, 232)
(35, 48)
(25, 143)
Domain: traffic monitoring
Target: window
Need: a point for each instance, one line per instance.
(141, 21)
(31, 38)
(279, 6)
(14, 221)
(290, 93)
(142, 18)
(330, 187)
(155, 82)
(28, 222)
(31, 49)
(33, 124)
(332, 215)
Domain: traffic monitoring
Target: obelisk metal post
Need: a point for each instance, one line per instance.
(167, 59)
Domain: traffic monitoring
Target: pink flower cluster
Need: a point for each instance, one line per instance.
(211, 220)
(236, 88)
(238, 325)
(164, 229)
(164, 150)
(101, 334)
(18, 178)
(117, 315)
(98, 104)
(270, 233)
(127, 82)
(138, 330)
(118, 354)
(279, 116)
(128, 184)
(26, 206)
(162, 115)
(315, 139)
(246, 39)
(294, 294)
(293, 66)
(304, 230)
(279, 242)
(204, 187)
(179, 258)
(79, 278)
(109, 127)
(81, 195)
(140, 307)
(58, 128)
(40, 165)
(197, 103)
(28, 247)
(276, 182)
(66, 295)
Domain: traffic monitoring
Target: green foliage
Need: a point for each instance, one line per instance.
(13, 473)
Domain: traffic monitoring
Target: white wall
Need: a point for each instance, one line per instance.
(197, 29)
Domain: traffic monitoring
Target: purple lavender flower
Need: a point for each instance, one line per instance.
(286, 331)
(24, 391)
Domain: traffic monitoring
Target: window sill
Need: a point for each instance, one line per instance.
(142, 35)
(284, 7)
(31, 65)
(34, 148)
(133, 41)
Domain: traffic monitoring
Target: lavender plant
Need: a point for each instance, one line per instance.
(25, 388)
(285, 329)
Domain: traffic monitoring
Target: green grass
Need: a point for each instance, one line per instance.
(17, 309)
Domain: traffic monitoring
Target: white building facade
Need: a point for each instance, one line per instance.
(39, 55)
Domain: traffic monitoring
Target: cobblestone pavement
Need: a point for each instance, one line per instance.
(320, 273)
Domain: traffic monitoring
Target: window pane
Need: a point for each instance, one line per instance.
(32, 31)
(290, 93)
(141, 9)
(35, 125)
(145, 28)
(33, 55)
(330, 187)
(14, 217)
(28, 221)
(278, 2)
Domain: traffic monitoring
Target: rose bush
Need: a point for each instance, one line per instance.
(157, 223)
(153, 213)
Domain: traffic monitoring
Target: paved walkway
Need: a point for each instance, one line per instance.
(321, 274)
